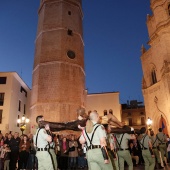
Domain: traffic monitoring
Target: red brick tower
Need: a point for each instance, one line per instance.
(58, 86)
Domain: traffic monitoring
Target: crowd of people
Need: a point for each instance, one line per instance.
(96, 148)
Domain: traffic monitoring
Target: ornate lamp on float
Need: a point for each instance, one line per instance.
(22, 123)
(149, 123)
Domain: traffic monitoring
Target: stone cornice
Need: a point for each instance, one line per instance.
(160, 26)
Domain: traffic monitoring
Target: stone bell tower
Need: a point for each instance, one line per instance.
(156, 65)
(58, 83)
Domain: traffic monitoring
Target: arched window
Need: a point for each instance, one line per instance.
(153, 76)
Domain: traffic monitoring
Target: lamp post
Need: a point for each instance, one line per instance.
(149, 123)
(22, 123)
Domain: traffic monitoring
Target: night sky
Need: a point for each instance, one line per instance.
(114, 32)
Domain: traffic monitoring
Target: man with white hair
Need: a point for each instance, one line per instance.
(95, 136)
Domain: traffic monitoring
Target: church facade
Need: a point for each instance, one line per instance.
(156, 66)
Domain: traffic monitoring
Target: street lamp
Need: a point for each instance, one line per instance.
(149, 123)
(22, 123)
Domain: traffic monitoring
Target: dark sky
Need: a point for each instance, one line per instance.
(114, 32)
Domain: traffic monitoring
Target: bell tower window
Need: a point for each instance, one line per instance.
(153, 76)
(69, 32)
(69, 12)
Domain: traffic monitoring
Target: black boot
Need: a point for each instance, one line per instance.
(164, 163)
(159, 166)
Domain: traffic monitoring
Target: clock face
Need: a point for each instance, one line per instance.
(71, 54)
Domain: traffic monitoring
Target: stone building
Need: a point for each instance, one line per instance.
(104, 101)
(133, 114)
(14, 101)
(58, 83)
(156, 65)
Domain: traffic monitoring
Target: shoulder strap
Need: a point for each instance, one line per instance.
(154, 142)
(119, 144)
(90, 140)
(142, 144)
(37, 136)
(159, 139)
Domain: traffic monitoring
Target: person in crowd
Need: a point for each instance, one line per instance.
(155, 144)
(137, 150)
(73, 153)
(57, 148)
(14, 147)
(133, 154)
(146, 147)
(64, 154)
(6, 138)
(123, 149)
(95, 136)
(24, 149)
(6, 157)
(82, 162)
(32, 160)
(41, 140)
(162, 139)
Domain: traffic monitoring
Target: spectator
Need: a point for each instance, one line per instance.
(24, 149)
(64, 154)
(32, 162)
(133, 153)
(73, 153)
(14, 147)
(57, 149)
(6, 138)
(6, 157)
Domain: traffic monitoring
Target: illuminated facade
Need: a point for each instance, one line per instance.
(104, 101)
(156, 65)
(14, 101)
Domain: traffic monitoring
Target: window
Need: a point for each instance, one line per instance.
(142, 120)
(23, 90)
(70, 32)
(24, 109)
(19, 106)
(69, 12)
(2, 80)
(129, 114)
(153, 76)
(18, 123)
(1, 116)
(130, 121)
(2, 99)
(71, 54)
(141, 113)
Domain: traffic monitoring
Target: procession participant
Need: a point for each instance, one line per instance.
(123, 149)
(111, 147)
(41, 140)
(51, 146)
(147, 152)
(162, 139)
(154, 142)
(95, 136)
